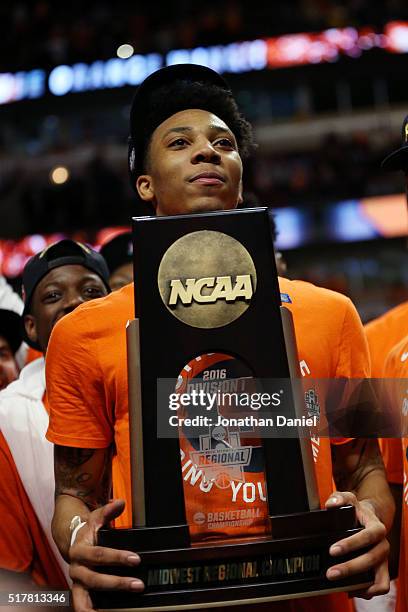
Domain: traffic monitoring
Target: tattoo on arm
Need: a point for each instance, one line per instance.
(83, 473)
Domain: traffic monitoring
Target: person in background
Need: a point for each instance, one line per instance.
(55, 282)
(384, 332)
(10, 341)
(396, 367)
(387, 338)
(118, 254)
(10, 300)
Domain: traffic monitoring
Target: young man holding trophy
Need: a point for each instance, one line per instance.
(187, 144)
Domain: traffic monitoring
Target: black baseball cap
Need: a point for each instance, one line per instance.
(11, 328)
(118, 251)
(398, 160)
(63, 253)
(140, 128)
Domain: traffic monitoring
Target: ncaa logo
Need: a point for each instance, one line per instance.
(207, 279)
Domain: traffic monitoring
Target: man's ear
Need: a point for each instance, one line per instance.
(145, 188)
(31, 327)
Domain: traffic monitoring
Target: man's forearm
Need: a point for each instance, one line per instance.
(66, 507)
(374, 489)
(82, 484)
(358, 467)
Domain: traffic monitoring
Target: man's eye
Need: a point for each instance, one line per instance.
(51, 296)
(225, 143)
(93, 292)
(179, 142)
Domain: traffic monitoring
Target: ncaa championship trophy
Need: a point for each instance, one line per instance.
(205, 284)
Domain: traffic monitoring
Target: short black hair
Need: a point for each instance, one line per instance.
(183, 95)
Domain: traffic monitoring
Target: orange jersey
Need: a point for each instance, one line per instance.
(382, 335)
(87, 389)
(396, 366)
(24, 546)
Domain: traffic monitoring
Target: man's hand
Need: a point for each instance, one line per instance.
(85, 555)
(82, 481)
(373, 535)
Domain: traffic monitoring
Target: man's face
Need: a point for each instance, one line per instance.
(193, 165)
(57, 294)
(8, 366)
(121, 276)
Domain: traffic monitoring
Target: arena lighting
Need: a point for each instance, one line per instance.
(22, 86)
(124, 51)
(36, 243)
(110, 74)
(234, 58)
(248, 56)
(59, 175)
(396, 37)
(367, 218)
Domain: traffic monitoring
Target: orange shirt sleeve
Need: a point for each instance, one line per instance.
(81, 412)
(353, 358)
(16, 550)
(378, 342)
(383, 334)
(391, 448)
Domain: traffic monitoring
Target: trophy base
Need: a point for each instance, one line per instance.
(288, 564)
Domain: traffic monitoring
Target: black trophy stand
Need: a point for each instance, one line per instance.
(292, 561)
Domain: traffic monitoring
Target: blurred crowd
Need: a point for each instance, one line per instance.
(43, 33)
(337, 168)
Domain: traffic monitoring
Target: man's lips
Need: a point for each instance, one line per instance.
(207, 178)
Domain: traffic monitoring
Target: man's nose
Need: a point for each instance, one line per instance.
(205, 152)
(72, 300)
